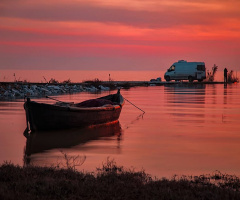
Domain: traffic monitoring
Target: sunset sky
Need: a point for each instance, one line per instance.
(118, 34)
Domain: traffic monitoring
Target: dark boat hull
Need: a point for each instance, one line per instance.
(42, 116)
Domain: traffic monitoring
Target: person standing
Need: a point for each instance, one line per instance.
(225, 75)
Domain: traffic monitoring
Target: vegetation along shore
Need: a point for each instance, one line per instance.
(110, 182)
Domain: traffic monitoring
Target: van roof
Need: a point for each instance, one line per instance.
(184, 61)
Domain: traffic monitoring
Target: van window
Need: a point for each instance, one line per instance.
(201, 67)
(172, 68)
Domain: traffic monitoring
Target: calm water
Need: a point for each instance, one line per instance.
(185, 130)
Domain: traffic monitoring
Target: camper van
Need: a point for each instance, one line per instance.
(183, 70)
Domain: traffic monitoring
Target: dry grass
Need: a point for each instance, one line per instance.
(110, 182)
(95, 82)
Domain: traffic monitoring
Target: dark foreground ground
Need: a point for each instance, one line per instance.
(110, 182)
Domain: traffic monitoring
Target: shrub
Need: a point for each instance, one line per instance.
(231, 78)
(211, 75)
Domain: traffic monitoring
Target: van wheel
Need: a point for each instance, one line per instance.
(167, 78)
(190, 78)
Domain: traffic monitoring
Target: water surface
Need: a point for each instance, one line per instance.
(187, 129)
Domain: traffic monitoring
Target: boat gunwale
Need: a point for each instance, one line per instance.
(69, 107)
(74, 108)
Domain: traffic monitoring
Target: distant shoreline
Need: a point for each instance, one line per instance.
(134, 83)
(18, 90)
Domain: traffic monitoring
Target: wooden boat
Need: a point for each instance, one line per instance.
(42, 116)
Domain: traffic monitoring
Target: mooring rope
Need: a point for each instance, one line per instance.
(134, 105)
(55, 99)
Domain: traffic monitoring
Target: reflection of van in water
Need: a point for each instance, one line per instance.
(183, 70)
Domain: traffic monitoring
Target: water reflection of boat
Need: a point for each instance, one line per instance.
(42, 116)
(41, 141)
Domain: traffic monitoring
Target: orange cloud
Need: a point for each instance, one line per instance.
(134, 28)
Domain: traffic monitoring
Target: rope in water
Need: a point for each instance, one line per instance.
(134, 105)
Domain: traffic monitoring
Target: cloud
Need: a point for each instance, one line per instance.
(79, 33)
(164, 15)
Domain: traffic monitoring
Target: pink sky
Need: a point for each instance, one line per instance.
(119, 34)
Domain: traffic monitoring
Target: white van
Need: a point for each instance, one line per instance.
(183, 70)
